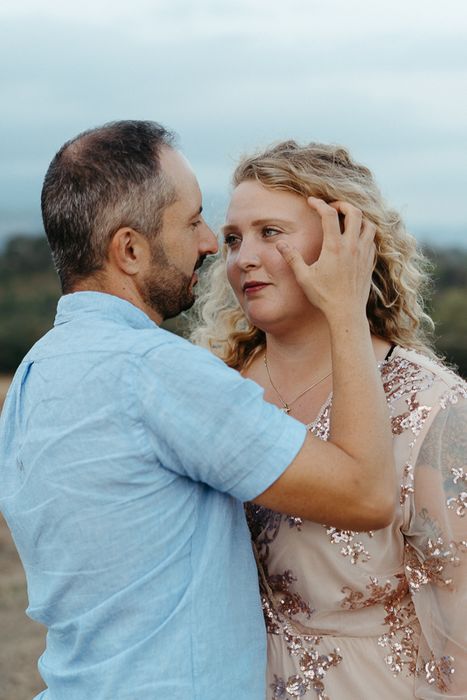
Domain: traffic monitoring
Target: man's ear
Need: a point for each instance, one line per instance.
(128, 250)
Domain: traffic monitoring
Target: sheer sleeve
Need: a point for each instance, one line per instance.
(436, 554)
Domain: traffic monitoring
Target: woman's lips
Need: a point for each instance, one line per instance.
(253, 287)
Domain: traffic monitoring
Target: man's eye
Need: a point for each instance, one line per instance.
(195, 224)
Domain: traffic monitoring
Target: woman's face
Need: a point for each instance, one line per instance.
(264, 284)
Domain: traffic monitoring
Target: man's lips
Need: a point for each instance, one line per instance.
(254, 286)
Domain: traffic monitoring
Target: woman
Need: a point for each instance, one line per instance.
(350, 615)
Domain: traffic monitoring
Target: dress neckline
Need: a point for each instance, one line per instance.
(328, 401)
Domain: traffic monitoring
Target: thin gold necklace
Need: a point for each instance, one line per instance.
(286, 406)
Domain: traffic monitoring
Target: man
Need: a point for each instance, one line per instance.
(126, 452)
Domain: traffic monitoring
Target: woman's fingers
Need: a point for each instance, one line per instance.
(294, 259)
(368, 229)
(329, 220)
(367, 240)
(341, 277)
(353, 218)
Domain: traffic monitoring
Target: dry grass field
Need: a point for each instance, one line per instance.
(21, 640)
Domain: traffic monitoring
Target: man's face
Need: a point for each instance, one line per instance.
(181, 246)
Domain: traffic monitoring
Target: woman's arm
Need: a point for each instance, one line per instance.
(348, 481)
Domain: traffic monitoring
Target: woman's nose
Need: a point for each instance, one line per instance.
(248, 256)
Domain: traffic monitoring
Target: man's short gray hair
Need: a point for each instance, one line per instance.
(100, 181)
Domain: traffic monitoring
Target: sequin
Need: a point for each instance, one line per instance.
(458, 475)
(453, 394)
(407, 488)
(402, 377)
(355, 550)
(288, 603)
(264, 525)
(320, 427)
(438, 672)
(436, 558)
(312, 664)
(458, 504)
(413, 420)
(294, 522)
(401, 639)
(296, 687)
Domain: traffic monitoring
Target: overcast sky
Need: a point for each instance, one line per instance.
(388, 79)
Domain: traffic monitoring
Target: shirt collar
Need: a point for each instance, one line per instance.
(101, 305)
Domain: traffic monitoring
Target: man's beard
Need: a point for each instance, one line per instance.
(167, 290)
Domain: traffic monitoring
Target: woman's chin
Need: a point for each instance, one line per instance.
(265, 322)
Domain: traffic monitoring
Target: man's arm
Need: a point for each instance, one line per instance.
(348, 481)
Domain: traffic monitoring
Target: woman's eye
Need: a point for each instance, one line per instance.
(230, 240)
(268, 231)
(195, 224)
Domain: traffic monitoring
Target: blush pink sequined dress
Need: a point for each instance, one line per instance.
(378, 615)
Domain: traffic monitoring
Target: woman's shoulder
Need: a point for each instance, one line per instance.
(411, 372)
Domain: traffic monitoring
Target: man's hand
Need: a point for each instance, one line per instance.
(339, 281)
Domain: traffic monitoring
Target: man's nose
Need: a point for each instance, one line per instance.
(208, 242)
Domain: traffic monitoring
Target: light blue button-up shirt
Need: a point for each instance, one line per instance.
(125, 454)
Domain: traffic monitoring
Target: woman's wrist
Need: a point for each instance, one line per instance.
(342, 317)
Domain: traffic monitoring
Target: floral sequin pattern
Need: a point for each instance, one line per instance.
(438, 672)
(458, 503)
(400, 641)
(313, 666)
(403, 378)
(264, 526)
(321, 426)
(434, 565)
(426, 555)
(453, 395)
(279, 600)
(350, 547)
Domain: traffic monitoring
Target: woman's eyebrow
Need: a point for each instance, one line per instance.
(229, 228)
(271, 220)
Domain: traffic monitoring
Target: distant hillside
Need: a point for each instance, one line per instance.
(29, 291)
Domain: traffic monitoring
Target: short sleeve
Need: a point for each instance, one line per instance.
(436, 563)
(209, 424)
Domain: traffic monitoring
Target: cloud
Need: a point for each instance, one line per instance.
(386, 79)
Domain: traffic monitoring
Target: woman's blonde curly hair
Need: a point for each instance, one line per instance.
(395, 308)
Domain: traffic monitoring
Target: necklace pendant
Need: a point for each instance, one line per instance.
(286, 409)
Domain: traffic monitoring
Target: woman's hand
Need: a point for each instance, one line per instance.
(339, 282)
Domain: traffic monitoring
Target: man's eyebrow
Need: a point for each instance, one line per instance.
(197, 213)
